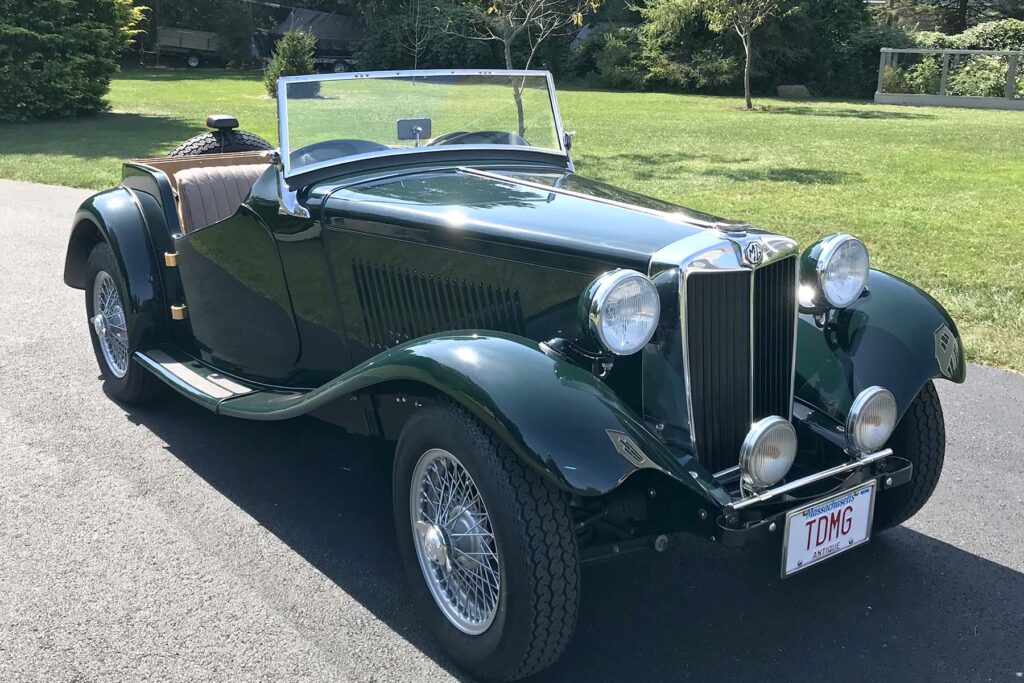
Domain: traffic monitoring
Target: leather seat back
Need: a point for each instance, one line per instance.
(212, 193)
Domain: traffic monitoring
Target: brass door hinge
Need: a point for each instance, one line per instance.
(171, 259)
(179, 312)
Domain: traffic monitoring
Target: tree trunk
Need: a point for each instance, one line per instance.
(960, 16)
(517, 93)
(746, 69)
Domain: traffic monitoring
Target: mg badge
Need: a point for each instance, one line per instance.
(947, 351)
(755, 253)
(626, 448)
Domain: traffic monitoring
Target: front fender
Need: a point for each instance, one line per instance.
(557, 417)
(114, 216)
(896, 337)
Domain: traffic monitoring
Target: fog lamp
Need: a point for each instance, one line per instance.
(768, 452)
(872, 419)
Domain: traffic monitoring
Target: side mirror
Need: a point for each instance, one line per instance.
(569, 135)
(287, 200)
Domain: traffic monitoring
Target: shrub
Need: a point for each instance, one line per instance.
(616, 63)
(1007, 34)
(57, 56)
(582, 59)
(924, 77)
(855, 69)
(293, 56)
(981, 76)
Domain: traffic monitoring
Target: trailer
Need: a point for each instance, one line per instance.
(196, 46)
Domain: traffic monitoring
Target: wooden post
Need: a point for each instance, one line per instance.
(945, 74)
(881, 69)
(1011, 76)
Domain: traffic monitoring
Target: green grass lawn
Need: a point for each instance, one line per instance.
(937, 194)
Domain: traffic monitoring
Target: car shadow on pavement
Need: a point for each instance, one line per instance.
(906, 606)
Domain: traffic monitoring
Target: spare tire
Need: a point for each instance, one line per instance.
(220, 141)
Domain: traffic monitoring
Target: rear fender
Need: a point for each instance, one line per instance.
(116, 218)
(557, 417)
(896, 337)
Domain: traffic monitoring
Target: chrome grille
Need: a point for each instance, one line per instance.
(774, 330)
(739, 335)
(718, 352)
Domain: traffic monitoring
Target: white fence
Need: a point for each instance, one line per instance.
(918, 76)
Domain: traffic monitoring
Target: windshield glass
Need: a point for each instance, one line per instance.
(325, 119)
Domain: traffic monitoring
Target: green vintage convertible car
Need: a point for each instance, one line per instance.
(570, 372)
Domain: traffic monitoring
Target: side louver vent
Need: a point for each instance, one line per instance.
(400, 304)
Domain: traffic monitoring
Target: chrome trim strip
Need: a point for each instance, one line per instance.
(729, 471)
(809, 479)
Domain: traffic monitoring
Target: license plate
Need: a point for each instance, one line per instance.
(827, 527)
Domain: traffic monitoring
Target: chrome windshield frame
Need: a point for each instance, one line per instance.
(282, 112)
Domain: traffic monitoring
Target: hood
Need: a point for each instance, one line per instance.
(555, 212)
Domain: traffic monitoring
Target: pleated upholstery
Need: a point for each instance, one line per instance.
(213, 193)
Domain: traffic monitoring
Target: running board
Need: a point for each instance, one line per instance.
(190, 377)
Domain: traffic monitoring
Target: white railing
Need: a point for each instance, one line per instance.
(924, 78)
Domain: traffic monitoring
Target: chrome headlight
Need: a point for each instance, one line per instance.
(768, 452)
(872, 419)
(842, 269)
(622, 310)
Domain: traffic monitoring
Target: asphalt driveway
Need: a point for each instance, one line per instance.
(167, 543)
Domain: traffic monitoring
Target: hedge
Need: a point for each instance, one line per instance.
(57, 56)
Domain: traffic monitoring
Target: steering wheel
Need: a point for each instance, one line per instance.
(479, 137)
(332, 149)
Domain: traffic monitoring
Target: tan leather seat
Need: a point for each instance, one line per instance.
(213, 193)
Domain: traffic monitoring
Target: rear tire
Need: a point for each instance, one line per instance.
(124, 380)
(219, 142)
(537, 559)
(920, 437)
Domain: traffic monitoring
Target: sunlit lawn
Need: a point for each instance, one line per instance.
(937, 194)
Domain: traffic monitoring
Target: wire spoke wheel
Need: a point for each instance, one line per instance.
(454, 541)
(109, 323)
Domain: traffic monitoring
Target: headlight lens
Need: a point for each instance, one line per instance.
(842, 269)
(768, 452)
(622, 309)
(872, 419)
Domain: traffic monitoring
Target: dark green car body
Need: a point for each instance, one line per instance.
(462, 280)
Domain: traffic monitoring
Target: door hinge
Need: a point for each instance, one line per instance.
(179, 312)
(171, 259)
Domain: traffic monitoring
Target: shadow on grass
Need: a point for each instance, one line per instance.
(117, 135)
(906, 604)
(172, 73)
(664, 166)
(800, 176)
(846, 113)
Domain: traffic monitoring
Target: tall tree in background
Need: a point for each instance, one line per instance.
(535, 21)
(742, 16)
(420, 28)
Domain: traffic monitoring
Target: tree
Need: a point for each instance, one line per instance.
(419, 29)
(535, 21)
(57, 56)
(742, 16)
(293, 56)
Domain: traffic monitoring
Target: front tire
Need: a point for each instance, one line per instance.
(520, 618)
(920, 437)
(124, 380)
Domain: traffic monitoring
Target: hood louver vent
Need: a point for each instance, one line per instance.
(400, 304)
